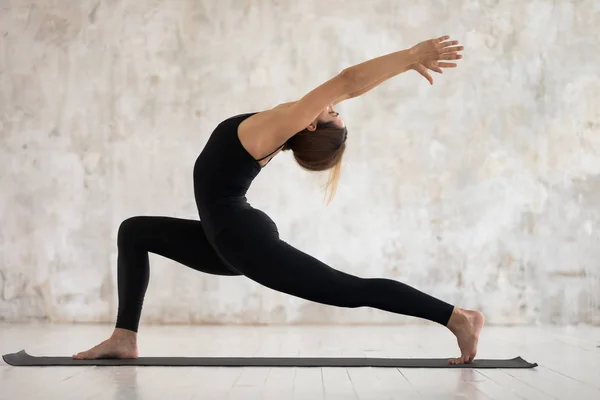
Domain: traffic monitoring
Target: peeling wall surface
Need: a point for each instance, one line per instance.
(482, 190)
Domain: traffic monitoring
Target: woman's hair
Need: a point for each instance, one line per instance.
(320, 150)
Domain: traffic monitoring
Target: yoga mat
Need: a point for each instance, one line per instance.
(25, 360)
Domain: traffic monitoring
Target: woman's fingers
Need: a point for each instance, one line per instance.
(452, 49)
(449, 56)
(448, 44)
(434, 50)
(446, 65)
(434, 66)
(423, 71)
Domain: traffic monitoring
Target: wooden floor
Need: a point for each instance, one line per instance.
(568, 358)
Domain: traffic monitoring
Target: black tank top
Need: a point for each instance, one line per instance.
(223, 173)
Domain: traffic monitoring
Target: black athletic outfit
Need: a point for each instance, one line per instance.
(233, 238)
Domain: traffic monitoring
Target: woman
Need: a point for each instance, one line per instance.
(233, 238)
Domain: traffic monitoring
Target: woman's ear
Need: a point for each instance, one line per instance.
(312, 127)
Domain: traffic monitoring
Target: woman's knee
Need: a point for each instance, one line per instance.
(131, 229)
(352, 291)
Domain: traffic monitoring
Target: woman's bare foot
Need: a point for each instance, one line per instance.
(122, 344)
(466, 326)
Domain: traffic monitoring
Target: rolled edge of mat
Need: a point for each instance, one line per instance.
(520, 359)
(12, 358)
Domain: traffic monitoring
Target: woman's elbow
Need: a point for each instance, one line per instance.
(350, 79)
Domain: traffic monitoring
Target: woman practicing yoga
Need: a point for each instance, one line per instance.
(233, 238)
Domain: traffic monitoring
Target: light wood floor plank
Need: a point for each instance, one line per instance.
(367, 385)
(461, 382)
(556, 384)
(308, 384)
(280, 383)
(337, 384)
(513, 385)
(498, 391)
(250, 384)
(544, 347)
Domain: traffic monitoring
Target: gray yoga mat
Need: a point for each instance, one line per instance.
(23, 359)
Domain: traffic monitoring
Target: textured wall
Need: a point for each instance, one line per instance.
(483, 190)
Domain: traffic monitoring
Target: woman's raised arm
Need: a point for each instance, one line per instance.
(359, 79)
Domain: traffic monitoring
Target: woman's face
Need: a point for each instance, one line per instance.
(328, 115)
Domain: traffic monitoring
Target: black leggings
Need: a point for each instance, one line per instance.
(262, 257)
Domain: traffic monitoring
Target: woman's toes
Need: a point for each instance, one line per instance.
(461, 360)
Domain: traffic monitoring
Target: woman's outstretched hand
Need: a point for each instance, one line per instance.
(431, 55)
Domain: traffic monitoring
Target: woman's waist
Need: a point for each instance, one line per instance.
(215, 202)
(217, 211)
(236, 217)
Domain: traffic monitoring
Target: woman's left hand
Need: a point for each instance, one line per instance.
(436, 66)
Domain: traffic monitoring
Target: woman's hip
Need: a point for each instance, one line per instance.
(244, 234)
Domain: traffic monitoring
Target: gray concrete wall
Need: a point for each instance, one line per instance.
(483, 190)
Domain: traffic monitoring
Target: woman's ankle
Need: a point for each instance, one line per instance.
(120, 333)
(457, 320)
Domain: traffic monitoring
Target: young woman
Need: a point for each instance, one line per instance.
(233, 238)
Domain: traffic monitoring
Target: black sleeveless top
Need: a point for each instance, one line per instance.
(223, 173)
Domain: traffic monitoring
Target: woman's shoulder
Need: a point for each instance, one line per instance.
(258, 132)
